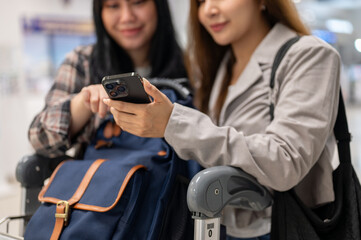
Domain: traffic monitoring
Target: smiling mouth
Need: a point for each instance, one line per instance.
(218, 26)
(129, 32)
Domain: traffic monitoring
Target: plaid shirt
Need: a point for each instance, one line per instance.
(49, 131)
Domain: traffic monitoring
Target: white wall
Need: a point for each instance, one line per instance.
(180, 9)
(12, 11)
(17, 110)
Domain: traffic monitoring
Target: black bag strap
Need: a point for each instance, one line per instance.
(341, 130)
(276, 62)
(342, 134)
(279, 56)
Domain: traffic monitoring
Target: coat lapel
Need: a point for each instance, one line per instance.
(263, 56)
(250, 75)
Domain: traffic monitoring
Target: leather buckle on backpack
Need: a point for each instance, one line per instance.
(65, 214)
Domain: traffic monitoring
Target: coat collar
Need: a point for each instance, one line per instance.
(267, 49)
(263, 55)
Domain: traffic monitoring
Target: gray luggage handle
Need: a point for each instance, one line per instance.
(213, 188)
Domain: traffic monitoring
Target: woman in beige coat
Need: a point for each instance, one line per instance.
(232, 47)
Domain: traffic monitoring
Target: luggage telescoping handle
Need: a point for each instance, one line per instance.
(213, 188)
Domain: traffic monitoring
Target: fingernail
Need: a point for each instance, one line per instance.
(148, 84)
(106, 100)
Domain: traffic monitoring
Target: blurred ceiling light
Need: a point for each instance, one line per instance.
(339, 26)
(297, 1)
(358, 44)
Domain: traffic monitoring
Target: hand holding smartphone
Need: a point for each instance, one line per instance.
(127, 87)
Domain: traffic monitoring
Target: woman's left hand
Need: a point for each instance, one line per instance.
(143, 120)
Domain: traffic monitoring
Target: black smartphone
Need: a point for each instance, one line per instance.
(127, 87)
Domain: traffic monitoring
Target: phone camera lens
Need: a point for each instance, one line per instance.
(109, 86)
(113, 93)
(121, 89)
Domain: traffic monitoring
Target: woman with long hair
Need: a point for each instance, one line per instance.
(132, 35)
(232, 48)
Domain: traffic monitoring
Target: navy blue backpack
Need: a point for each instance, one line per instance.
(126, 187)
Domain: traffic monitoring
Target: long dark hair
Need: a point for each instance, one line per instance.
(165, 55)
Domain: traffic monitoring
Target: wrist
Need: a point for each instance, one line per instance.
(80, 113)
(79, 104)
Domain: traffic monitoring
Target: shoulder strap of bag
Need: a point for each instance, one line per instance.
(276, 62)
(342, 134)
(341, 130)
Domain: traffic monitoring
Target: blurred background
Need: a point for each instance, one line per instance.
(35, 35)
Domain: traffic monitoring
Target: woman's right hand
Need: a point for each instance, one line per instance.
(92, 97)
(87, 102)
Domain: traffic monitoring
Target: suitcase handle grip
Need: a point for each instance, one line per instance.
(213, 188)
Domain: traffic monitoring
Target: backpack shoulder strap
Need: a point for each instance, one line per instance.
(276, 62)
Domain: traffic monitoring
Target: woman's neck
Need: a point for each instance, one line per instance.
(244, 47)
(139, 57)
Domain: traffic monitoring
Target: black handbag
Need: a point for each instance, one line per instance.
(339, 220)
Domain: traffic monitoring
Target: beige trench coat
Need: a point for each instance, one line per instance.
(297, 149)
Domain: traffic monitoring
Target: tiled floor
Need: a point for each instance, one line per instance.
(10, 200)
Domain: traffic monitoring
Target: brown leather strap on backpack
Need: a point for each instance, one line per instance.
(63, 207)
(61, 219)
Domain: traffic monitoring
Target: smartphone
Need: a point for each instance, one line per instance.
(127, 87)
